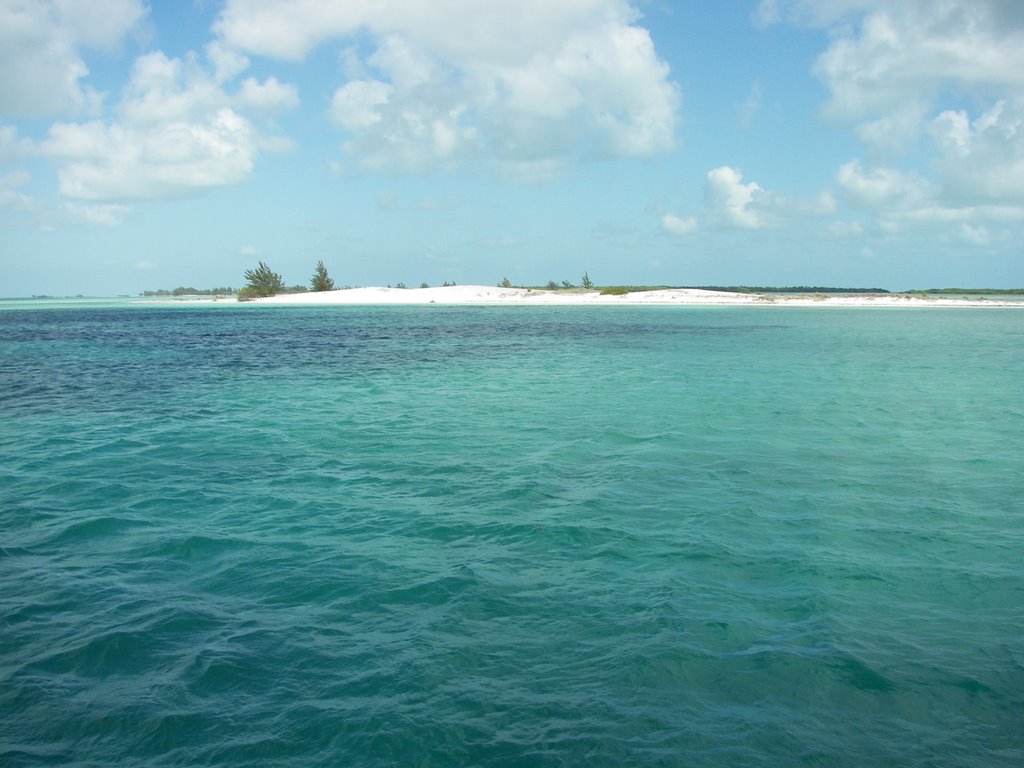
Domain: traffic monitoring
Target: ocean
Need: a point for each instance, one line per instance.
(511, 536)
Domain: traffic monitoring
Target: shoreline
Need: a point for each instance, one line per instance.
(469, 295)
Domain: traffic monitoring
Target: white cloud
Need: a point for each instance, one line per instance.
(979, 235)
(268, 96)
(982, 159)
(895, 131)
(118, 162)
(10, 145)
(227, 63)
(900, 74)
(525, 82)
(729, 202)
(902, 53)
(103, 215)
(903, 199)
(678, 225)
(177, 129)
(945, 214)
(357, 105)
(40, 51)
(883, 189)
(732, 203)
(10, 194)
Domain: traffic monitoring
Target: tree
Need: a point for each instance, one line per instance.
(321, 280)
(505, 283)
(262, 282)
(586, 282)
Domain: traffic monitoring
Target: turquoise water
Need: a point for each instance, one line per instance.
(511, 537)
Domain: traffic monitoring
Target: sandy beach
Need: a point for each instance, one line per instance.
(486, 295)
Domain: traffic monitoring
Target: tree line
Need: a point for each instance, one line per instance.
(263, 281)
(183, 291)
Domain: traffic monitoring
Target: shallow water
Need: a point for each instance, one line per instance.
(511, 536)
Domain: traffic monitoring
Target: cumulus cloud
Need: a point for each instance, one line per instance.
(901, 74)
(982, 159)
(906, 53)
(732, 203)
(883, 189)
(41, 43)
(525, 82)
(177, 129)
(979, 235)
(678, 225)
(267, 97)
(903, 196)
(118, 162)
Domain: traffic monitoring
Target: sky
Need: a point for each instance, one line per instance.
(853, 143)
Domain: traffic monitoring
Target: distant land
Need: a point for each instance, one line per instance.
(183, 291)
(972, 291)
(785, 289)
(227, 292)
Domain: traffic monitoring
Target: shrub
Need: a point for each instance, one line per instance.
(262, 282)
(321, 280)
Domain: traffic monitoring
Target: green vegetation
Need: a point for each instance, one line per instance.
(262, 282)
(505, 283)
(321, 281)
(971, 291)
(586, 282)
(183, 291)
(615, 290)
(786, 289)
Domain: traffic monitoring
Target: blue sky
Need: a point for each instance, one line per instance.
(783, 142)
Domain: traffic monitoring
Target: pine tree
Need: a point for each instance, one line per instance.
(321, 280)
(262, 282)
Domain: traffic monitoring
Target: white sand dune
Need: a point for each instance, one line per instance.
(482, 294)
